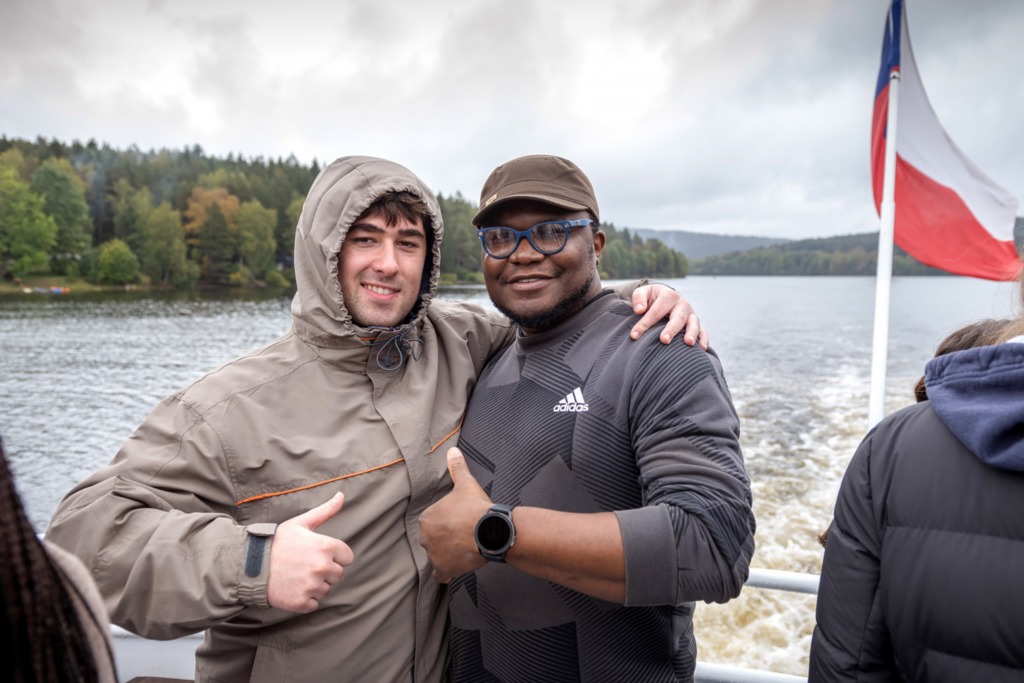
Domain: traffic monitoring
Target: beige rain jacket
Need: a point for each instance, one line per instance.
(165, 527)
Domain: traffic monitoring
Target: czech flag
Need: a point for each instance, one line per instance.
(949, 215)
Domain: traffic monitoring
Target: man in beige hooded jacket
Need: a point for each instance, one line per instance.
(212, 515)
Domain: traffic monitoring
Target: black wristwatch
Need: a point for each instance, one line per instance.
(496, 533)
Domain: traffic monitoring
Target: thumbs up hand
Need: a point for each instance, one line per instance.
(305, 565)
(447, 528)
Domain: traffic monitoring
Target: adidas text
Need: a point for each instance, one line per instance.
(572, 403)
(571, 408)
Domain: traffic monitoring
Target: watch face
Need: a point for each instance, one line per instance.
(494, 532)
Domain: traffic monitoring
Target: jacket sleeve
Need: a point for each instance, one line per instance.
(156, 529)
(694, 536)
(850, 641)
(624, 290)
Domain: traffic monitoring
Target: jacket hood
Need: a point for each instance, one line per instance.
(977, 394)
(339, 195)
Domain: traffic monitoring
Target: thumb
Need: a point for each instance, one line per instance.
(311, 519)
(457, 466)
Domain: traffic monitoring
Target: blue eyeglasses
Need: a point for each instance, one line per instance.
(548, 238)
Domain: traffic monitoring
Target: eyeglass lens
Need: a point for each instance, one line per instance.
(545, 238)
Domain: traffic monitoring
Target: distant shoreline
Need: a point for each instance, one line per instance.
(53, 285)
(57, 285)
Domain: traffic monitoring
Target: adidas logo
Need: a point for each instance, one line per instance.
(572, 403)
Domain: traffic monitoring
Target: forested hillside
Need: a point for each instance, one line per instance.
(170, 217)
(842, 255)
(182, 218)
(700, 244)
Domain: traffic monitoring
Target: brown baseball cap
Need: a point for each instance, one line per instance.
(548, 179)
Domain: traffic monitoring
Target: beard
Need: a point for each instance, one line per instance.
(544, 320)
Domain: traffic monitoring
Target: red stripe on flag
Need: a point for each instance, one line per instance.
(934, 225)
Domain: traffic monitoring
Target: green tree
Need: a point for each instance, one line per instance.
(64, 195)
(667, 262)
(615, 260)
(196, 214)
(130, 208)
(256, 243)
(286, 234)
(233, 181)
(26, 233)
(116, 264)
(164, 255)
(217, 247)
(14, 158)
(460, 250)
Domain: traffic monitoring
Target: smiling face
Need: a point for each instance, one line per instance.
(380, 268)
(538, 291)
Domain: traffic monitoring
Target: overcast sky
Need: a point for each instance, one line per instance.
(725, 116)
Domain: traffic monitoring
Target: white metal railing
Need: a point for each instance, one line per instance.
(792, 582)
(771, 579)
(137, 657)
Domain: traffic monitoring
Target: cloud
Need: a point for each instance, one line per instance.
(728, 116)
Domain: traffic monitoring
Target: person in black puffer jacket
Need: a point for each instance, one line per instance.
(981, 333)
(921, 579)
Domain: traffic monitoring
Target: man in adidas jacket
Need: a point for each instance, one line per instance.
(602, 490)
(213, 515)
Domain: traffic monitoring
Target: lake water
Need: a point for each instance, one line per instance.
(78, 373)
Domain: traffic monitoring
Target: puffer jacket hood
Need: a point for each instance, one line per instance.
(976, 393)
(339, 195)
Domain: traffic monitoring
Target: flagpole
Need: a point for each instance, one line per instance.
(883, 278)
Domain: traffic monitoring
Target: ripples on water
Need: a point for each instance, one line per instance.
(77, 375)
(797, 357)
